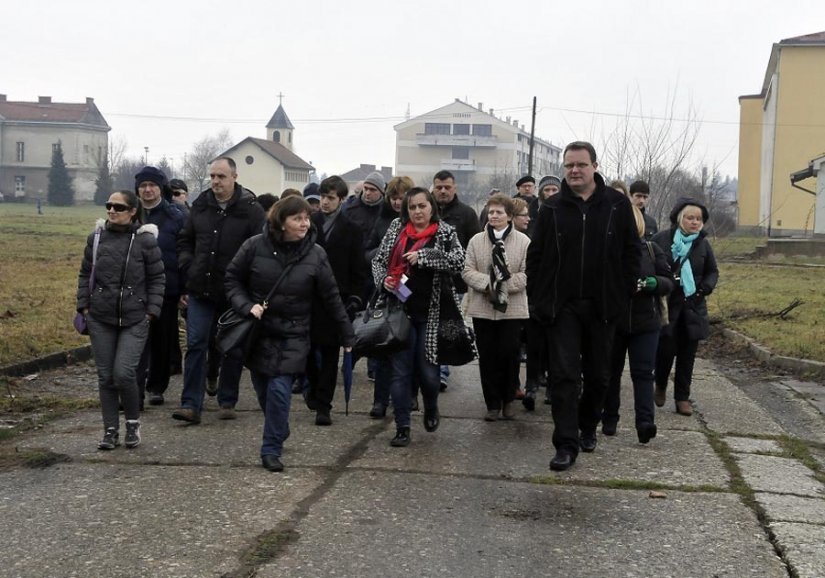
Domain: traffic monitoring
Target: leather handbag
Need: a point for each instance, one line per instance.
(456, 341)
(382, 329)
(235, 333)
(79, 320)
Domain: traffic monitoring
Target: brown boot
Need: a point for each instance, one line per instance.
(684, 408)
(659, 396)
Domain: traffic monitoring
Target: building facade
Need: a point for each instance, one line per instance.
(29, 131)
(781, 129)
(479, 148)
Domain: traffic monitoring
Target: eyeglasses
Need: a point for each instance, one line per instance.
(117, 207)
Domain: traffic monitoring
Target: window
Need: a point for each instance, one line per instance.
(290, 138)
(55, 147)
(436, 128)
(21, 152)
(483, 129)
(276, 136)
(249, 159)
(19, 186)
(462, 153)
(461, 129)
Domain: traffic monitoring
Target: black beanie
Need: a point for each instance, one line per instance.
(151, 174)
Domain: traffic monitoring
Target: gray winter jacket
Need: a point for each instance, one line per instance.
(129, 275)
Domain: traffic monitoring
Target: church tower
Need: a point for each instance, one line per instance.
(279, 129)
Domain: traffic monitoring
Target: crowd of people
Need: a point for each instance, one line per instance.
(570, 276)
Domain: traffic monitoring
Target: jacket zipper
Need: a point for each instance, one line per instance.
(604, 280)
(558, 267)
(123, 283)
(581, 272)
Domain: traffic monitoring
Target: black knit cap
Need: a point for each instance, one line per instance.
(640, 187)
(151, 174)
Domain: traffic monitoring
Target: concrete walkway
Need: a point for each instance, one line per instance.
(722, 493)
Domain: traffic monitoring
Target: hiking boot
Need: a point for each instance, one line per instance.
(212, 386)
(402, 438)
(227, 412)
(132, 439)
(187, 414)
(323, 418)
(684, 408)
(111, 439)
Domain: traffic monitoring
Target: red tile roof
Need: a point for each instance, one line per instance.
(64, 112)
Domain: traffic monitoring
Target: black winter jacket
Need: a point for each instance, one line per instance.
(386, 217)
(644, 312)
(211, 237)
(694, 309)
(566, 246)
(344, 249)
(364, 216)
(129, 277)
(169, 218)
(465, 222)
(283, 341)
(651, 226)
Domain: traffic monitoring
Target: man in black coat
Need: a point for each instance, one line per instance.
(582, 267)
(466, 224)
(342, 240)
(220, 220)
(639, 196)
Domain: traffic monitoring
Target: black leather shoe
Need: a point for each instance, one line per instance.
(402, 438)
(646, 432)
(562, 461)
(609, 428)
(431, 420)
(529, 401)
(323, 418)
(272, 463)
(587, 441)
(378, 411)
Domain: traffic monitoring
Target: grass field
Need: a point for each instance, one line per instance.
(39, 260)
(40, 257)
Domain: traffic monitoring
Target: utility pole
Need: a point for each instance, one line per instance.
(532, 138)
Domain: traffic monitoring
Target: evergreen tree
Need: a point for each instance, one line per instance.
(104, 184)
(61, 192)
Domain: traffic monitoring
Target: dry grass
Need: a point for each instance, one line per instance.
(39, 259)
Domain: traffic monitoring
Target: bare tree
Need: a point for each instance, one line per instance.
(196, 162)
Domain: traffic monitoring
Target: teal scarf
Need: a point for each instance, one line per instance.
(680, 249)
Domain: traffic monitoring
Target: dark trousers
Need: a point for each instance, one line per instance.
(322, 373)
(641, 352)
(536, 335)
(680, 347)
(498, 359)
(579, 344)
(156, 362)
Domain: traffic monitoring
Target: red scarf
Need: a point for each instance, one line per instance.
(398, 265)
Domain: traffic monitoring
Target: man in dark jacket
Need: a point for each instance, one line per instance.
(220, 220)
(341, 239)
(364, 210)
(582, 267)
(156, 362)
(466, 224)
(639, 196)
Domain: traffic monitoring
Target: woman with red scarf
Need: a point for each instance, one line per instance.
(422, 252)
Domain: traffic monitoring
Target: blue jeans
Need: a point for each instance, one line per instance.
(201, 319)
(408, 365)
(274, 397)
(641, 351)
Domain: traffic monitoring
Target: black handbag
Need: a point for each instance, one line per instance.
(456, 341)
(382, 329)
(235, 333)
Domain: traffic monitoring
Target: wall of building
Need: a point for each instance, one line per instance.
(800, 135)
(263, 175)
(750, 149)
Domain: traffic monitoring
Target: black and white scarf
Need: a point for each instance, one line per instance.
(499, 269)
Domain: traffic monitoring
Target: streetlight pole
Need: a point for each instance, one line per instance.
(146, 157)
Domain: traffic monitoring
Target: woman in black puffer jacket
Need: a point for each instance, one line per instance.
(286, 247)
(637, 337)
(119, 299)
(694, 267)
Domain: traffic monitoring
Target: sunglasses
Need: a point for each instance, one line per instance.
(117, 207)
(177, 193)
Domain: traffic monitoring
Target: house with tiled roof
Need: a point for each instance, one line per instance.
(29, 131)
(781, 128)
(270, 165)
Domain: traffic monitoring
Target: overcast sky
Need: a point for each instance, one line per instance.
(165, 74)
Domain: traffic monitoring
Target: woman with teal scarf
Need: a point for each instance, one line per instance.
(694, 268)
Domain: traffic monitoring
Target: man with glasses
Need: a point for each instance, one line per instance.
(220, 220)
(180, 194)
(582, 266)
